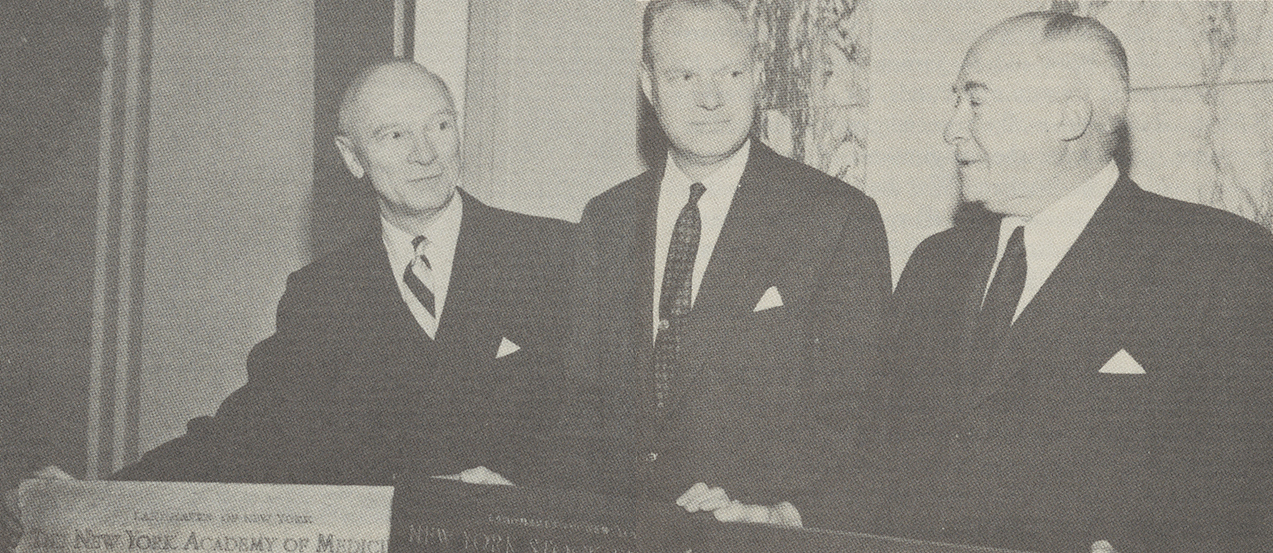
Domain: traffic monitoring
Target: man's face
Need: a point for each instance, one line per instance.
(403, 136)
(1004, 128)
(703, 82)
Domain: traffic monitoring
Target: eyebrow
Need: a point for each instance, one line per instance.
(446, 112)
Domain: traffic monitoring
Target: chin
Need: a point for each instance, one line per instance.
(714, 147)
(422, 204)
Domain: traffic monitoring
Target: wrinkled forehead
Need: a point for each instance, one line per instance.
(398, 92)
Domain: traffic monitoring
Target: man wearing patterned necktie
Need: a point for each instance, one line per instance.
(726, 300)
(1087, 368)
(429, 345)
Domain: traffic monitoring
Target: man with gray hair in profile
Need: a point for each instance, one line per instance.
(1084, 369)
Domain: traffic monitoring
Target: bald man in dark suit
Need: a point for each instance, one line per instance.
(429, 345)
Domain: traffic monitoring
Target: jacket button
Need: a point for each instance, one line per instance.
(651, 456)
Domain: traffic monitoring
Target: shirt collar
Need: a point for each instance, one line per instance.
(442, 232)
(1051, 233)
(727, 176)
(1075, 208)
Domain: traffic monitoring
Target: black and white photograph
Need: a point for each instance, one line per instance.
(673, 276)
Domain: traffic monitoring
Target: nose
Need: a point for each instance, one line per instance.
(708, 94)
(422, 150)
(957, 127)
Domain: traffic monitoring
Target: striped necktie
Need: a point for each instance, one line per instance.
(418, 273)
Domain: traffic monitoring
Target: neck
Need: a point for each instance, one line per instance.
(410, 221)
(1079, 166)
(698, 168)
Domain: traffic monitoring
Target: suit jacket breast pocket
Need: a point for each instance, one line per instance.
(761, 348)
(1119, 406)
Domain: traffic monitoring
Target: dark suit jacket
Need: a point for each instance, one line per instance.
(1042, 451)
(750, 415)
(349, 389)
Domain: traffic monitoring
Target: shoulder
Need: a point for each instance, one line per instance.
(363, 253)
(625, 195)
(504, 228)
(1205, 231)
(944, 249)
(945, 255)
(807, 184)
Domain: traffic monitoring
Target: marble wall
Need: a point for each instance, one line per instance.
(817, 77)
(1201, 106)
(1202, 98)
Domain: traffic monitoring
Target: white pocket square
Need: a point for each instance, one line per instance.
(506, 347)
(769, 300)
(1122, 363)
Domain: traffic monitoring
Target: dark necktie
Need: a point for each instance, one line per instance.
(1000, 304)
(675, 297)
(413, 281)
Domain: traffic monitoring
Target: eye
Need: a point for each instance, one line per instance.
(444, 125)
(736, 74)
(686, 76)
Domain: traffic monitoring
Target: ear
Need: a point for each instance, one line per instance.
(350, 154)
(647, 83)
(1075, 117)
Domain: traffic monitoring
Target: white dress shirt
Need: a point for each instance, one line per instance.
(674, 192)
(441, 235)
(1050, 233)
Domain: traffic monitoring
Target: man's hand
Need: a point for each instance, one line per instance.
(701, 497)
(11, 518)
(479, 475)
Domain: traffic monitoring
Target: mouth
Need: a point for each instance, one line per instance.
(965, 162)
(428, 177)
(711, 124)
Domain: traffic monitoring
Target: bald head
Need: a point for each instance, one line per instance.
(397, 128)
(387, 75)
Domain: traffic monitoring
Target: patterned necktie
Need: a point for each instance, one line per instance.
(1000, 305)
(415, 282)
(675, 297)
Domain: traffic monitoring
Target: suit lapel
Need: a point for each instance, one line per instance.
(748, 249)
(984, 241)
(1092, 279)
(461, 298)
(637, 225)
(384, 326)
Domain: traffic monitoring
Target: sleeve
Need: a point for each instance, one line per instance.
(202, 453)
(855, 284)
(1212, 426)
